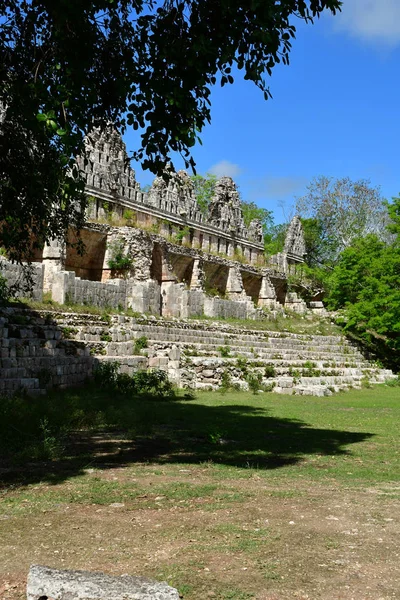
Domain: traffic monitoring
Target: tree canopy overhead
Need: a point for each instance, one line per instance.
(69, 65)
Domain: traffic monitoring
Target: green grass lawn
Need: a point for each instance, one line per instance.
(227, 496)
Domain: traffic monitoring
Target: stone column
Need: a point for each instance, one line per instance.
(231, 249)
(256, 254)
(106, 271)
(53, 262)
(246, 253)
(206, 242)
(267, 295)
(197, 279)
(196, 239)
(164, 228)
(214, 243)
(234, 285)
(186, 240)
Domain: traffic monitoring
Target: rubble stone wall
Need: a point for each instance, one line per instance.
(16, 279)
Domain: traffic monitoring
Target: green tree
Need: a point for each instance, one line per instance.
(394, 216)
(365, 282)
(335, 213)
(251, 211)
(67, 66)
(204, 189)
(274, 239)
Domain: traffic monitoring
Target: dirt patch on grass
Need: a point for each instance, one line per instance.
(212, 537)
(300, 501)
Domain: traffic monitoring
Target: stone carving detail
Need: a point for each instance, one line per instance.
(294, 242)
(256, 231)
(225, 210)
(175, 195)
(107, 169)
(108, 166)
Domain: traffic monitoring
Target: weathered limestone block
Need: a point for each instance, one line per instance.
(171, 298)
(44, 582)
(318, 308)
(267, 295)
(144, 297)
(234, 284)
(53, 261)
(217, 307)
(294, 242)
(192, 303)
(197, 279)
(293, 302)
(14, 274)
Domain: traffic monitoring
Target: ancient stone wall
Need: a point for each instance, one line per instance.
(41, 349)
(16, 277)
(170, 205)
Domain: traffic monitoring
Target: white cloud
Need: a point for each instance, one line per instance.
(276, 187)
(371, 20)
(225, 169)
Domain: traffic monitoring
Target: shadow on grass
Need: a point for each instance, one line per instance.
(166, 432)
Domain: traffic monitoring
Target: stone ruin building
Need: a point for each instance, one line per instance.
(176, 260)
(158, 254)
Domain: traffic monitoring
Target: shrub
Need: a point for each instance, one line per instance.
(140, 343)
(226, 382)
(224, 351)
(106, 373)
(394, 382)
(254, 381)
(119, 260)
(129, 216)
(105, 337)
(153, 383)
(269, 371)
(241, 364)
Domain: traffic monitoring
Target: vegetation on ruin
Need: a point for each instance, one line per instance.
(68, 67)
(119, 259)
(224, 495)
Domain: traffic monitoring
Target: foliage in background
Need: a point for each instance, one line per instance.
(66, 67)
(204, 189)
(251, 211)
(274, 239)
(310, 282)
(365, 282)
(335, 213)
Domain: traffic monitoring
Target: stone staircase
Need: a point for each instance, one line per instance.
(200, 354)
(196, 354)
(35, 354)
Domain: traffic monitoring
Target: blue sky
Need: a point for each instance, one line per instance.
(334, 112)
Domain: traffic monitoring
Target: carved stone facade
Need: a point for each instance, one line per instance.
(295, 246)
(107, 166)
(178, 261)
(112, 187)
